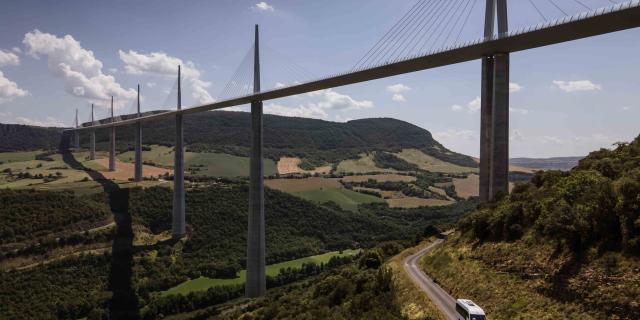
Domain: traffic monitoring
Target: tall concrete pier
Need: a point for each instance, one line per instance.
(256, 277)
(137, 176)
(178, 228)
(92, 138)
(112, 142)
(494, 118)
(76, 135)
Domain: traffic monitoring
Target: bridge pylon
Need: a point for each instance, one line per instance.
(494, 109)
(112, 142)
(92, 138)
(255, 285)
(178, 226)
(137, 176)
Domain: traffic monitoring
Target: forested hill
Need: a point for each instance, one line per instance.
(18, 137)
(316, 140)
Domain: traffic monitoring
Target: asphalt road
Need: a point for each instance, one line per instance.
(444, 302)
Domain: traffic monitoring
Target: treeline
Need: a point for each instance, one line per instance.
(178, 303)
(317, 141)
(31, 214)
(18, 137)
(596, 203)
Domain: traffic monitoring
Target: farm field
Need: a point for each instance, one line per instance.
(302, 185)
(6, 157)
(363, 165)
(414, 202)
(429, 163)
(392, 177)
(204, 283)
(201, 163)
(287, 165)
(346, 199)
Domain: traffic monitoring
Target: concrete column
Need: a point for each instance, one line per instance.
(178, 227)
(138, 153)
(256, 277)
(92, 138)
(486, 106)
(76, 133)
(486, 120)
(112, 142)
(499, 180)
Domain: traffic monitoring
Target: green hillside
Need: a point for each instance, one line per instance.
(565, 245)
(317, 141)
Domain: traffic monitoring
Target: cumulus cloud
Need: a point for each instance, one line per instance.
(519, 110)
(452, 134)
(397, 90)
(398, 97)
(337, 101)
(279, 85)
(78, 67)
(263, 6)
(514, 87)
(8, 117)
(8, 58)
(162, 64)
(305, 111)
(151, 84)
(322, 103)
(472, 106)
(9, 89)
(575, 86)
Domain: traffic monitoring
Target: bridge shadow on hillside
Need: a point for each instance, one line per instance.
(124, 301)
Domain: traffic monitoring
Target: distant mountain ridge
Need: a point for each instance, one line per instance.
(313, 139)
(554, 163)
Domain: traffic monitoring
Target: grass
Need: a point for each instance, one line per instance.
(427, 162)
(346, 199)
(414, 303)
(20, 156)
(204, 283)
(380, 178)
(501, 295)
(302, 185)
(206, 163)
(363, 165)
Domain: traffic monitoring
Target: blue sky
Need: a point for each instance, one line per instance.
(56, 56)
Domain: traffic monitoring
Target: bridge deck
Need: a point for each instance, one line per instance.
(616, 18)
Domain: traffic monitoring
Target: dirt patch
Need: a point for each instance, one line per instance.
(287, 165)
(380, 177)
(413, 202)
(301, 185)
(125, 170)
(467, 187)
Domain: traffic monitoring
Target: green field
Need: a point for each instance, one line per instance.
(346, 199)
(363, 165)
(204, 283)
(203, 163)
(6, 157)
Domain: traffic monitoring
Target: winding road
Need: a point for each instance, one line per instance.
(444, 302)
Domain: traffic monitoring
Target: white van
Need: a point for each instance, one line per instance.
(467, 310)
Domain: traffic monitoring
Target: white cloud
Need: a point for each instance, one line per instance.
(163, 64)
(151, 84)
(305, 111)
(398, 97)
(398, 88)
(78, 67)
(263, 6)
(339, 118)
(279, 85)
(9, 89)
(8, 58)
(113, 70)
(16, 50)
(472, 107)
(626, 108)
(338, 101)
(514, 87)
(48, 122)
(575, 86)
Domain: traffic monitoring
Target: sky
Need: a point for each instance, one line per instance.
(56, 56)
